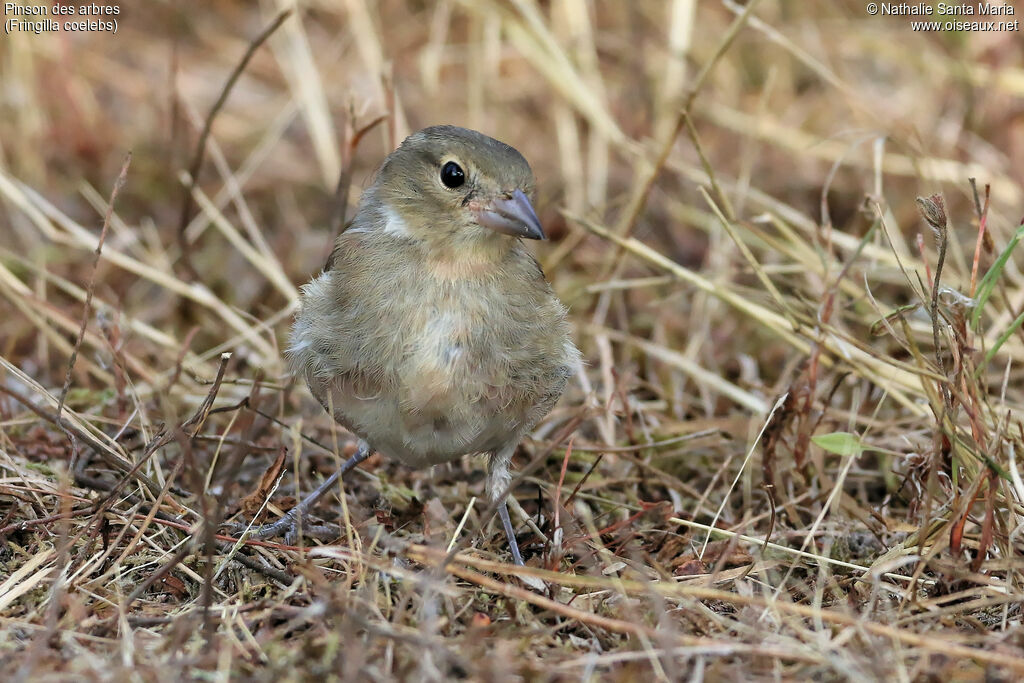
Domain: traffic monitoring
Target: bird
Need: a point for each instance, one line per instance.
(432, 332)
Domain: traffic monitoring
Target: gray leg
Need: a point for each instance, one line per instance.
(510, 532)
(498, 479)
(289, 523)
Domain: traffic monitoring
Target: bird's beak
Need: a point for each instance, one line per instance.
(512, 216)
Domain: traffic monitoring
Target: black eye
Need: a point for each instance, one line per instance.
(452, 175)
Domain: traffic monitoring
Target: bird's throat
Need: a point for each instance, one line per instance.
(475, 260)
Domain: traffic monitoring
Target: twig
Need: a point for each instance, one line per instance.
(557, 534)
(668, 589)
(175, 560)
(612, 625)
(118, 184)
(181, 358)
(197, 159)
(982, 231)
(161, 439)
(340, 204)
(88, 439)
(632, 214)
(934, 212)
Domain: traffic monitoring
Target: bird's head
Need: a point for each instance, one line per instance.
(447, 185)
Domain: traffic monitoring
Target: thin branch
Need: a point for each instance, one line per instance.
(118, 184)
(197, 159)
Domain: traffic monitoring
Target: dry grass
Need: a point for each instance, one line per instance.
(792, 454)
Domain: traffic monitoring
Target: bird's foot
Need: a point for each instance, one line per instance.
(297, 518)
(288, 526)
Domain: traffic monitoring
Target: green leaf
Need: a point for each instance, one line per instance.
(988, 282)
(840, 443)
(1007, 333)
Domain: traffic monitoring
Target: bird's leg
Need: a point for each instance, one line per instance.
(289, 523)
(510, 532)
(498, 479)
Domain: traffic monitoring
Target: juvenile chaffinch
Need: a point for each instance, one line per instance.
(432, 332)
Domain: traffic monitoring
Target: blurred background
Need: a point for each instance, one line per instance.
(731, 196)
(812, 107)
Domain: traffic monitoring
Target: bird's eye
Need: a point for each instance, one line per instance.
(452, 175)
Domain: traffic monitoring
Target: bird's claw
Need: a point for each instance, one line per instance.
(297, 517)
(288, 526)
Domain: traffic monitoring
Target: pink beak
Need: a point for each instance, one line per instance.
(511, 215)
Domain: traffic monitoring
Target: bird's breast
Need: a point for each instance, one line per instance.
(428, 366)
(449, 357)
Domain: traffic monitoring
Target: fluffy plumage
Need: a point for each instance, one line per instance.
(432, 333)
